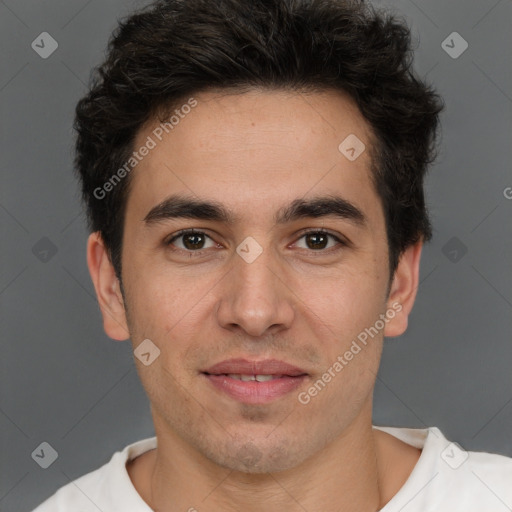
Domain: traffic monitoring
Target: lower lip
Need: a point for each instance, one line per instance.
(254, 392)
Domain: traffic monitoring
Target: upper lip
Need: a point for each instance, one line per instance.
(246, 367)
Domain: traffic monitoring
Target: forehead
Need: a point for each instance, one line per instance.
(254, 150)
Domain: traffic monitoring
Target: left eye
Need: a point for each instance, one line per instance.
(318, 240)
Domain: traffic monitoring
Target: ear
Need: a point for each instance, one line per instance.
(403, 290)
(107, 288)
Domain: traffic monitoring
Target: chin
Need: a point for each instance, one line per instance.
(258, 458)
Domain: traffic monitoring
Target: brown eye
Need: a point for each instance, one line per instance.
(193, 241)
(189, 241)
(320, 240)
(317, 240)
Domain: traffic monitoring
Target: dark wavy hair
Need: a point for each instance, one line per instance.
(175, 48)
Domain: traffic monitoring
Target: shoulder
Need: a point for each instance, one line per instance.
(449, 478)
(107, 488)
(474, 481)
(80, 494)
(487, 474)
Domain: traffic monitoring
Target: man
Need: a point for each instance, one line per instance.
(253, 174)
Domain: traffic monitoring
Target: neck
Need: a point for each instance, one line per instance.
(346, 475)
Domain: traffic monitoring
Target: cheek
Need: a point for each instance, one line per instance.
(174, 311)
(162, 299)
(350, 309)
(346, 303)
(166, 312)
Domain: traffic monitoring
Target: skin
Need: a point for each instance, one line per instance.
(255, 153)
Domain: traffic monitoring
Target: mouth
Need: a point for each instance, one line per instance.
(249, 378)
(255, 382)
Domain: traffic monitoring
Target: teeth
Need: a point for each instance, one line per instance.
(247, 378)
(264, 378)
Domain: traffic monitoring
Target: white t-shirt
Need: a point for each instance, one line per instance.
(445, 479)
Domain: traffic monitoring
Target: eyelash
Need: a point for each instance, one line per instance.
(199, 253)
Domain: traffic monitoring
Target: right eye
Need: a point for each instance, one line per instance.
(189, 240)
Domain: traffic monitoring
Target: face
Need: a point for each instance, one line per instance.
(280, 275)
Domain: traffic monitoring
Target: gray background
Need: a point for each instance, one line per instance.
(64, 382)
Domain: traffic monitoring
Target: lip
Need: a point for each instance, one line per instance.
(247, 367)
(253, 392)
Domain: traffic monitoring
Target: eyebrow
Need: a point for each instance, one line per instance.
(181, 206)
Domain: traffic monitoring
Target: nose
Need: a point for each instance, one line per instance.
(255, 298)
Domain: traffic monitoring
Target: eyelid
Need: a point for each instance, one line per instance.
(337, 236)
(186, 231)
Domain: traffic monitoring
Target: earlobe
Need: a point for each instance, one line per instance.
(403, 290)
(107, 288)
